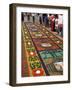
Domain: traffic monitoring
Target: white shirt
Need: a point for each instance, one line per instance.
(60, 19)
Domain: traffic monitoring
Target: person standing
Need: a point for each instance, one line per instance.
(33, 16)
(45, 19)
(52, 22)
(56, 23)
(28, 16)
(22, 17)
(60, 24)
(40, 18)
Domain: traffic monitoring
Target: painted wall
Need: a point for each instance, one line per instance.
(4, 45)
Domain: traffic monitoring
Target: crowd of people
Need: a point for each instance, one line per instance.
(53, 21)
